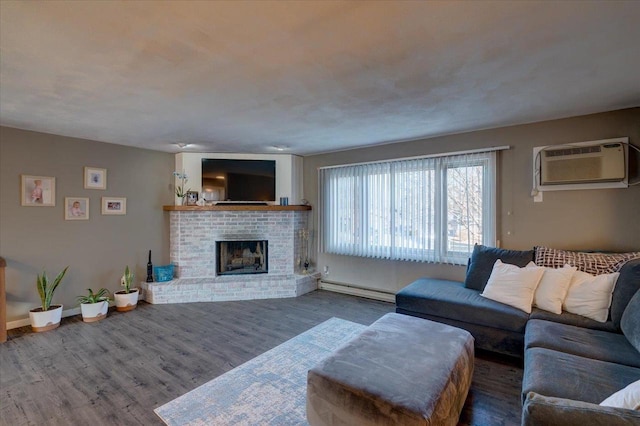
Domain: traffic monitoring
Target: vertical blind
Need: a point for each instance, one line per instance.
(424, 209)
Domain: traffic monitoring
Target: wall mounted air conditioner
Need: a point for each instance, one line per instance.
(584, 165)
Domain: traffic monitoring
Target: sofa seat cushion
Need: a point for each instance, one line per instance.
(584, 342)
(573, 319)
(450, 299)
(557, 374)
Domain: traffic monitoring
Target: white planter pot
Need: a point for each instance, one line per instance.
(45, 320)
(92, 312)
(126, 301)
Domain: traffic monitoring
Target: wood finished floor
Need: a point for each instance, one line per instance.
(116, 371)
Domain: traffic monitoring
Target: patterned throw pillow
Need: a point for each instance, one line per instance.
(591, 263)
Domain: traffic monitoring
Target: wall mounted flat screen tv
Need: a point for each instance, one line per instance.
(238, 180)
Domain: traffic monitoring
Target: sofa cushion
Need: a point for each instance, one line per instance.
(573, 319)
(630, 323)
(512, 285)
(628, 398)
(483, 258)
(562, 375)
(450, 299)
(584, 342)
(553, 288)
(627, 285)
(590, 295)
(547, 410)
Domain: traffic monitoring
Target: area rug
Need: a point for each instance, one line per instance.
(267, 390)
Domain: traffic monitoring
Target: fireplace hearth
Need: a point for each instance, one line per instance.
(242, 257)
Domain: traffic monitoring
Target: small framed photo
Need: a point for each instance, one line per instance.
(114, 205)
(95, 178)
(38, 191)
(76, 208)
(192, 198)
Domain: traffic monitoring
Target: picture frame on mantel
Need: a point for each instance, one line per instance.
(37, 191)
(192, 198)
(95, 178)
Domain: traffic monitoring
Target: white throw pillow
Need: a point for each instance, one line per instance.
(553, 288)
(590, 295)
(628, 397)
(512, 285)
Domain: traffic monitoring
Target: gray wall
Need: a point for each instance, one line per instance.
(97, 250)
(606, 219)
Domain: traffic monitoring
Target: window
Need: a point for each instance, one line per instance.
(424, 209)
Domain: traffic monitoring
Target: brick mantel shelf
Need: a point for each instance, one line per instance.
(223, 207)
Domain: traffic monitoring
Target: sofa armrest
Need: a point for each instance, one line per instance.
(540, 410)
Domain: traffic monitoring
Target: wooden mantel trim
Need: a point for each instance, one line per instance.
(248, 207)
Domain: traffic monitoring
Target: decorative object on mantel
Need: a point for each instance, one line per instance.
(180, 191)
(149, 269)
(94, 306)
(127, 299)
(192, 198)
(46, 317)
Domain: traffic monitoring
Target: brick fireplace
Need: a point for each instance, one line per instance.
(271, 233)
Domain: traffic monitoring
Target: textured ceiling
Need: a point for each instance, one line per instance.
(313, 76)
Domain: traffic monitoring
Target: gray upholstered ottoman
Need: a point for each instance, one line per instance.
(401, 370)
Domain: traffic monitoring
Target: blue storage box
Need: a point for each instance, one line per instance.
(163, 273)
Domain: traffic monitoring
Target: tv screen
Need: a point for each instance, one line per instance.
(238, 180)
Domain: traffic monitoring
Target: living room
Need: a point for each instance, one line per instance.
(48, 131)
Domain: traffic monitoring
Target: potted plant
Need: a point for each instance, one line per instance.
(46, 317)
(181, 193)
(127, 299)
(94, 306)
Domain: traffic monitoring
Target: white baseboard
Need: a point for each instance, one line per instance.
(26, 321)
(356, 291)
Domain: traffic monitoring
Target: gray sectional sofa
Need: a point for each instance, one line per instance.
(571, 363)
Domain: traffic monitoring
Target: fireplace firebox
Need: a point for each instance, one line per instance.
(242, 257)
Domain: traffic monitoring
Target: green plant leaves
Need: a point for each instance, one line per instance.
(46, 289)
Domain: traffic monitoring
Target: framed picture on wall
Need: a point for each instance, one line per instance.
(76, 208)
(114, 205)
(95, 178)
(38, 191)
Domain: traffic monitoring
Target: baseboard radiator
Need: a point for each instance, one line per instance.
(353, 290)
